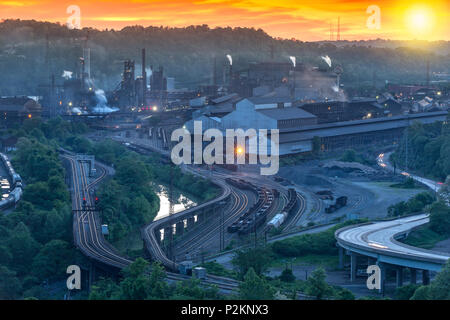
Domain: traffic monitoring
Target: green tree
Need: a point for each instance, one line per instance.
(52, 260)
(257, 259)
(440, 286)
(422, 293)
(23, 248)
(287, 275)
(316, 285)
(440, 218)
(136, 283)
(344, 294)
(255, 288)
(405, 292)
(105, 289)
(10, 287)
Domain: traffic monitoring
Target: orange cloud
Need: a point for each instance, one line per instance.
(304, 20)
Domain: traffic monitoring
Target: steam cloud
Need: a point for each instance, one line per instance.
(327, 60)
(102, 102)
(294, 61)
(67, 75)
(230, 59)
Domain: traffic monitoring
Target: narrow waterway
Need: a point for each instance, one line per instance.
(182, 202)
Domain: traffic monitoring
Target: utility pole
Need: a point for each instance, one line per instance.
(407, 142)
(171, 212)
(339, 29)
(254, 226)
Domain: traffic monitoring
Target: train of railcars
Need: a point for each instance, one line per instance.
(340, 202)
(257, 214)
(15, 185)
(281, 217)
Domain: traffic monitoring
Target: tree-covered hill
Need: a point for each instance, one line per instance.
(187, 54)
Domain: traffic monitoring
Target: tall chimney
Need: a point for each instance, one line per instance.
(214, 72)
(144, 73)
(339, 29)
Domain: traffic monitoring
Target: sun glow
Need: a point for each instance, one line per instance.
(420, 20)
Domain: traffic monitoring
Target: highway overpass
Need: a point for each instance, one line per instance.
(376, 243)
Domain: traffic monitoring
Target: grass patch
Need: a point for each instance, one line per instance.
(215, 268)
(131, 245)
(327, 261)
(409, 183)
(424, 237)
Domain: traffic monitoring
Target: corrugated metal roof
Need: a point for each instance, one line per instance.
(286, 113)
(354, 127)
(225, 98)
(269, 100)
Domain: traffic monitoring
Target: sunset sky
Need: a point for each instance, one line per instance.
(303, 20)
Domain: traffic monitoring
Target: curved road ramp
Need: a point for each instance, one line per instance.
(376, 244)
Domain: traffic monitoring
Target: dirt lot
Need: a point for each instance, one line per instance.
(369, 195)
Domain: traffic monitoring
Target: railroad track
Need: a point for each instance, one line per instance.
(87, 229)
(239, 205)
(298, 214)
(151, 241)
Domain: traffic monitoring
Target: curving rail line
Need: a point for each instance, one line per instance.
(149, 232)
(87, 229)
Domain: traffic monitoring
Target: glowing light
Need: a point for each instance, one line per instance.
(29, 116)
(155, 108)
(420, 20)
(239, 150)
(377, 245)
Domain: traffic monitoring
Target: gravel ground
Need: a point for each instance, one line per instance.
(369, 196)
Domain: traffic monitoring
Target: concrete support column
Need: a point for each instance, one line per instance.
(168, 232)
(201, 216)
(190, 222)
(158, 235)
(180, 228)
(341, 257)
(382, 267)
(353, 264)
(413, 276)
(399, 276)
(371, 261)
(425, 277)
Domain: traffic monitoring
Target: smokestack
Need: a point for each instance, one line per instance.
(339, 29)
(214, 73)
(87, 62)
(428, 73)
(144, 73)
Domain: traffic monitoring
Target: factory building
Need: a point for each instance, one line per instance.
(256, 113)
(357, 109)
(14, 110)
(352, 134)
(284, 79)
(344, 125)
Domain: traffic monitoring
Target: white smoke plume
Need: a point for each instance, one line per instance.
(335, 88)
(67, 75)
(294, 61)
(102, 103)
(327, 60)
(77, 110)
(230, 59)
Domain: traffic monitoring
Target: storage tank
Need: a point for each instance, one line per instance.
(200, 272)
(105, 230)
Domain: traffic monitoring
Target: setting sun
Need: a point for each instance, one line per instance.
(420, 20)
